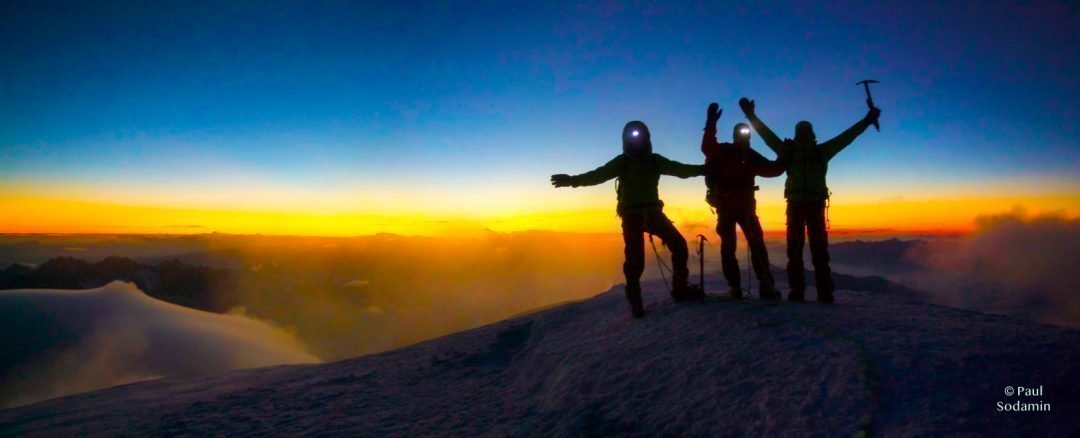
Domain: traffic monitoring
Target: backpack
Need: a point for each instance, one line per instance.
(714, 175)
(815, 156)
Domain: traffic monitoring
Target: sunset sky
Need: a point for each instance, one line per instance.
(447, 117)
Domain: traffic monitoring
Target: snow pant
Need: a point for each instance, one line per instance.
(635, 222)
(808, 217)
(738, 210)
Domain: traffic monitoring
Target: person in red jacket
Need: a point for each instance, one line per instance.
(730, 169)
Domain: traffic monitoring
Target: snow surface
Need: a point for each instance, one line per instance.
(872, 362)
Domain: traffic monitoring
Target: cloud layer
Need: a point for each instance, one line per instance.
(1013, 264)
(59, 342)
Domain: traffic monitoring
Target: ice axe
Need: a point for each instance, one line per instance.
(869, 100)
(701, 259)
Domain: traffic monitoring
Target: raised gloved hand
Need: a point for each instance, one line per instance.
(872, 115)
(562, 180)
(747, 106)
(712, 115)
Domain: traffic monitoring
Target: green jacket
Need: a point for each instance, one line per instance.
(638, 178)
(806, 164)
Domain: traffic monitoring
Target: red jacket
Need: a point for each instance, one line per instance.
(730, 169)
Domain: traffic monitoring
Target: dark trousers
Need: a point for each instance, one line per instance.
(745, 215)
(637, 222)
(808, 217)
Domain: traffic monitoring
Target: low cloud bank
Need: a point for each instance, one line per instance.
(1013, 264)
(61, 342)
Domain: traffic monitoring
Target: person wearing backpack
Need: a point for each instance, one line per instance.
(730, 169)
(638, 171)
(806, 163)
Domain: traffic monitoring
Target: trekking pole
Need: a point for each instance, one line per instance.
(701, 260)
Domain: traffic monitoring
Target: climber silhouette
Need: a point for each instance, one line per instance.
(806, 163)
(730, 169)
(638, 170)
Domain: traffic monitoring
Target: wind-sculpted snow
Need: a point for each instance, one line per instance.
(874, 362)
(59, 342)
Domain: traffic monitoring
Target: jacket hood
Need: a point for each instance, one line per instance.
(804, 133)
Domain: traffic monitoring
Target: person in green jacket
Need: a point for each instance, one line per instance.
(807, 195)
(638, 170)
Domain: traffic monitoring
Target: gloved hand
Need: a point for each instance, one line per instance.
(747, 106)
(712, 115)
(872, 115)
(562, 180)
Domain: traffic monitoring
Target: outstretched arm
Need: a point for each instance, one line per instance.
(837, 144)
(590, 178)
(675, 168)
(771, 140)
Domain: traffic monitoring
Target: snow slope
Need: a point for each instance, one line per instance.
(872, 362)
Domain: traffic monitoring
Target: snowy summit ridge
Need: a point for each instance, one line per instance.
(877, 363)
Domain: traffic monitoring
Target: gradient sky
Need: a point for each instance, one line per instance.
(353, 118)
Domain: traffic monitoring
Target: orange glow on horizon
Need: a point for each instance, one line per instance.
(48, 215)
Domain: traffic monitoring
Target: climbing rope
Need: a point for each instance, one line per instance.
(662, 265)
(828, 202)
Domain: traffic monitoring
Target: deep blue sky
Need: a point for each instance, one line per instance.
(486, 99)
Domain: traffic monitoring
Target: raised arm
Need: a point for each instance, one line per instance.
(765, 167)
(675, 168)
(770, 138)
(590, 178)
(709, 146)
(832, 147)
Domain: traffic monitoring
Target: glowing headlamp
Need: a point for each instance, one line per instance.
(744, 131)
(635, 133)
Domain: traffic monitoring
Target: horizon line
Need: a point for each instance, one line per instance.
(485, 231)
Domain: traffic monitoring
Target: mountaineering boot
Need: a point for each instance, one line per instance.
(770, 293)
(825, 297)
(796, 296)
(687, 293)
(633, 296)
(737, 293)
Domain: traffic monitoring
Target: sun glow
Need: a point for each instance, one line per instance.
(50, 215)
